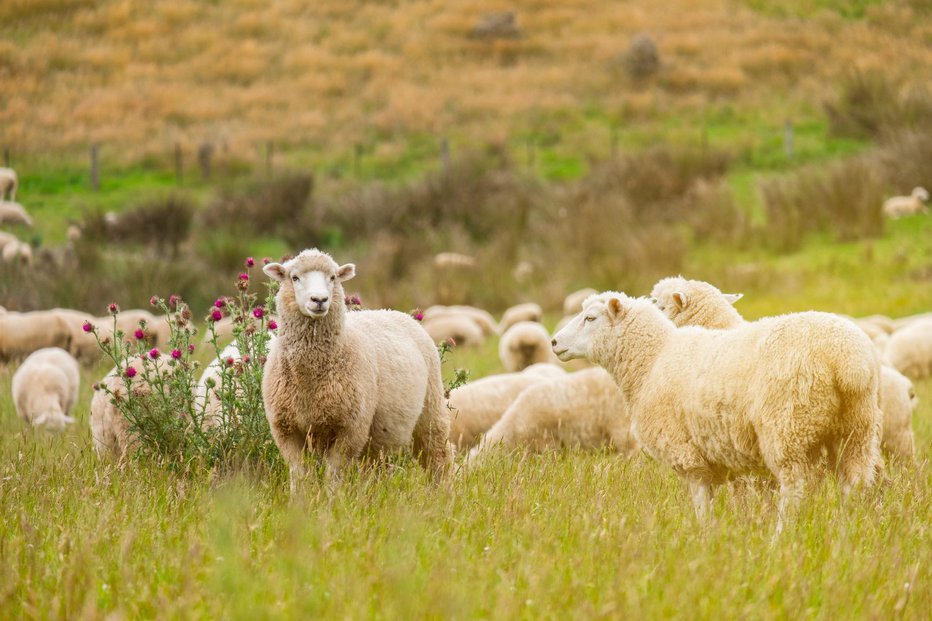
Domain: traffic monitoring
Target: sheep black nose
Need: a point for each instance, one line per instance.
(319, 300)
(554, 342)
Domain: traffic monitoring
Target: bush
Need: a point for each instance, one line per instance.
(168, 423)
(162, 223)
(871, 104)
(642, 60)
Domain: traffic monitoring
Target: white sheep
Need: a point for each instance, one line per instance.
(7, 238)
(899, 206)
(910, 349)
(572, 304)
(523, 344)
(476, 406)
(483, 318)
(9, 183)
(45, 388)
(338, 384)
(14, 213)
(522, 312)
(582, 410)
(903, 322)
(697, 303)
(765, 396)
(23, 333)
(462, 329)
(17, 252)
(207, 396)
(447, 260)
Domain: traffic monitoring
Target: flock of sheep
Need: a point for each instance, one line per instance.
(12, 248)
(681, 375)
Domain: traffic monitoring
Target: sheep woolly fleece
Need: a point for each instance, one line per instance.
(706, 306)
(764, 396)
(45, 388)
(524, 344)
(909, 350)
(342, 384)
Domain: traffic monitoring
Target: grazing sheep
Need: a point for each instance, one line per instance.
(14, 213)
(45, 388)
(483, 319)
(704, 303)
(521, 312)
(900, 206)
(83, 345)
(903, 322)
(523, 344)
(460, 328)
(910, 350)
(572, 304)
(23, 333)
(764, 396)
(9, 183)
(446, 260)
(17, 251)
(477, 405)
(338, 384)
(583, 410)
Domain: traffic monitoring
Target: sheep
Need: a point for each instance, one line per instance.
(697, 303)
(476, 406)
(7, 238)
(339, 383)
(462, 329)
(447, 260)
(910, 350)
(14, 213)
(880, 321)
(523, 344)
(482, 318)
(157, 331)
(521, 312)
(764, 396)
(206, 395)
(583, 410)
(900, 206)
(23, 333)
(17, 251)
(83, 345)
(572, 304)
(45, 388)
(9, 183)
(902, 322)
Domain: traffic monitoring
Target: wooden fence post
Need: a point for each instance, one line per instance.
(204, 153)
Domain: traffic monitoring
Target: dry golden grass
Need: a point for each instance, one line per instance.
(332, 73)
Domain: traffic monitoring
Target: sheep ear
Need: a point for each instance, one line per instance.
(615, 309)
(346, 272)
(680, 299)
(275, 271)
(731, 298)
(40, 420)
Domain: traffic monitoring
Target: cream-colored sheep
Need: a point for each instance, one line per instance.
(462, 329)
(902, 322)
(705, 303)
(881, 321)
(447, 260)
(9, 183)
(45, 388)
(878, 336)
(521, 312)
(339, 384)
(572, 304)
(18, 252)
(476, 406)
(23, 333)
(765, 396)
(900, 206)
(14, 213)
(523, 344)
(206, 395)
(582, 410)
(910, 350)
(483, 319)
(7, 238)
(83, 345)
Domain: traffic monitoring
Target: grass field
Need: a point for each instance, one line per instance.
(528, 536)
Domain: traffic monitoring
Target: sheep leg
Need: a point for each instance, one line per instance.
(292, 450)
(432, 437)
(701, 492)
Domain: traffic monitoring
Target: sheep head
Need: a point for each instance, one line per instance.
(675, 295)
(311, 281)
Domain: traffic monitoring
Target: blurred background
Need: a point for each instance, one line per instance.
(556, 145)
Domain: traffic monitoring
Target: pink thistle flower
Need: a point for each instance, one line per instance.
(130, 372)
(230, 361)
(244, 276)
(176, 354)
(113, 308)
(250, 261)
(257, 312)
(216, 315)
(88, 326)
(139, 334)
(96, 386)
(154, 300)
(191, 348)
(246, 358)
(273, 325)
(173, 300)
(451, 342)
(220, 302)
(154, 353)
(266, 260)
(417, 314)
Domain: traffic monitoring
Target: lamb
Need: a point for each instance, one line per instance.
(45, 388)
(17, 251)
(900, 206)
(14, 213)
(764, 396)
(462, 329)
(572, 304)
(207, 395)
(524, 344)
(9, 183)
(23, 333)
(482, 318)
(338, 384)
(476, 406)
(910, 349)
(697, 303)
(521, 312)
(584, 410)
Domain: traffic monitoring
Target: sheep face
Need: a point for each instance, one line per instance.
(314, 279)
(575, 339)
(921, 194)
(674, 295)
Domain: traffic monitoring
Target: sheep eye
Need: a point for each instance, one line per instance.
(588, 319)
(333, 278)
(294, 279)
